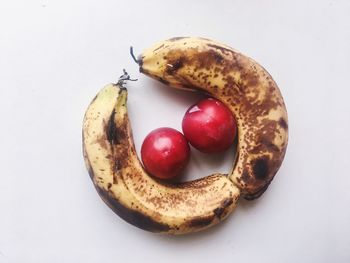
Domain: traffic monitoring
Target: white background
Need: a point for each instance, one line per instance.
(56, 55)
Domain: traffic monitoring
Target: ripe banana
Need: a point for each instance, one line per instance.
(244, 86)
(129, 191)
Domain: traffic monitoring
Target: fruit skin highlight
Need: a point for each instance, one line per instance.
(209, 126)
(165, 153)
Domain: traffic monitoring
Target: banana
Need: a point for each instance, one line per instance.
(244, 86)
(123, 184)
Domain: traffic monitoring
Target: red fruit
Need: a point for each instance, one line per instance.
(165, 153)
(209, 126)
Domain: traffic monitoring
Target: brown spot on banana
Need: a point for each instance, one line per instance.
(201, 222)
(244, 86)
(176, 38)
(220, 211)
(282, 122)
(123, 184)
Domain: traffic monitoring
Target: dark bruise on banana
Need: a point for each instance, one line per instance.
(199, 64)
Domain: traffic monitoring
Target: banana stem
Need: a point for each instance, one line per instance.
(133, 56)
(124, 78)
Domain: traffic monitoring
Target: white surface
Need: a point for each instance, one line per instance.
(55, 56)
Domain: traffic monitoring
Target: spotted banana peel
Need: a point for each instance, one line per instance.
(244, 86)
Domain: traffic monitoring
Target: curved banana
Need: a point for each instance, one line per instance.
(124, 185)
(240, 83)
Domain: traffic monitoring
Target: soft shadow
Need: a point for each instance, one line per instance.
(182, 97)
(215, 163)
(196, 237)
(212, 232)
(209, 159)
(244, 204)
